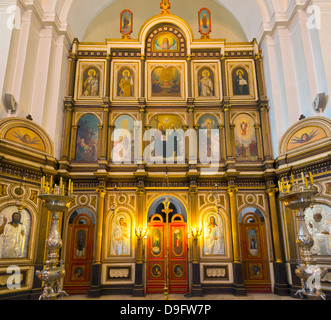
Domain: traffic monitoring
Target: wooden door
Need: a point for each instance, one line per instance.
(78, 264)
(255, 254)
(158, 266)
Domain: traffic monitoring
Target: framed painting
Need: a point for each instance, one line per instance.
(241, 80)
(120, 235)
(123, 148)
(166, 81)
(205, 22)
(166, 42)
(14, 241)
(126, 23)
(87, 139)
(206, 81)
(90, 84)
(125, 77)
(213, 235)
(245, 138)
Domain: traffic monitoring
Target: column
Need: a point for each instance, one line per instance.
(104, 137)
(141, 221)
(238, 279)
(73, 142)
(259, 142)
(228, 135)
(96, 267)
(281, 286)
(196, 288)
(68, 110)
(264, 116)
(6, 36)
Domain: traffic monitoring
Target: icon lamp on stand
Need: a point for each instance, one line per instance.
(298, 198)
(196, 233)
(55, 199)
(140, 234)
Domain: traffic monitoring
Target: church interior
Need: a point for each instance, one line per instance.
(156, 148)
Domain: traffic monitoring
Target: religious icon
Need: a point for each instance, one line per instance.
(166, 82)
(166, 135)
(80, 244)
(318, 221)
(213, 235)
(178, 271)
(245, 138)
(87, 139)
(208, 142)
(206, 82)
(255, 271)
(121, 235)
(156, 242)
(177, 242)
(240, 82)
(91, 82)
(204, 22)
(126, 23)
(166, 42)
(78, 273)
(123, 149)
(156, 271)
(252, 240)
(126, 83)
(14, 233)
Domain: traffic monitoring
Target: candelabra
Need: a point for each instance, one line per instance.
(55, 200)
(299, 198)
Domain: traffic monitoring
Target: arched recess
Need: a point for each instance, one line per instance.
(119, 239)
(214, 225)
(176, 205)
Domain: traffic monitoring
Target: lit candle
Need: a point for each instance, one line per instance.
(51, 183)
(61, 183)
(311, 178)
(292, 179)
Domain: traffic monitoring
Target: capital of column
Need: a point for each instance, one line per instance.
(271, 191)
(232, 190)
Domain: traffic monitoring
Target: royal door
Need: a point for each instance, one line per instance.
(255, 254)
(78, 264)
(167, 255)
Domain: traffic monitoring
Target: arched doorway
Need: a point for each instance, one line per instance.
(167, 265)
(79, 254)
(254, 251)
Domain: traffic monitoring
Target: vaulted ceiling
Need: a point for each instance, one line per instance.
(254, 16)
